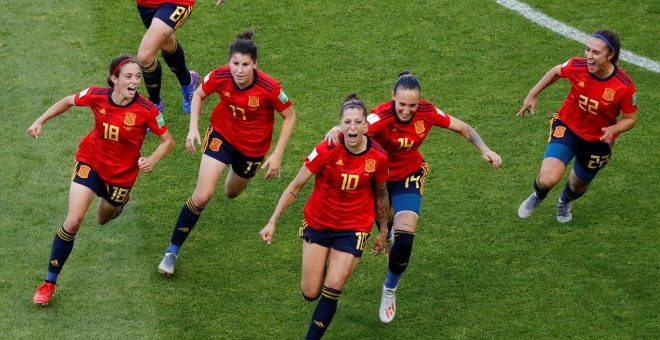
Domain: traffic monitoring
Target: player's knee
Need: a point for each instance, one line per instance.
(201, 198)
(72, 224)
(310, 294)
(549, 178)
(310, 298)
(145, 59)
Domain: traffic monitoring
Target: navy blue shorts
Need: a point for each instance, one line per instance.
(172, 14)
(348, 242)
(84, 174)
(564, 144)
(216, 146)
(406, 194)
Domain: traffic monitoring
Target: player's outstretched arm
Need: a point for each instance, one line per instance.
(58, 108)
(285, 201)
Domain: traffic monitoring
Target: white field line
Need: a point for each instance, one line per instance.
(573, 33)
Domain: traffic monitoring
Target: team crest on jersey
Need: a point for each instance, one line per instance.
(215, 144)
(253, 101)
(559, 132)
(129, 119)
(370, 165)
(83, 171)
(609, 94)
(419, 127)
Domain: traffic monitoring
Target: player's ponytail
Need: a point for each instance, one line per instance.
(407, 81)
(244, 45)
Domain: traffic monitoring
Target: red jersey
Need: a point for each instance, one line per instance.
(245, 117)
(595, 103)
(158, 3)
(402, 140)
(112, 148)
(343, 198)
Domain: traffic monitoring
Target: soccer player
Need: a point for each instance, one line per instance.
(401, 125)
(240, 134)
(350, 179)
(586, 125)
(161, 18)
(108, 158)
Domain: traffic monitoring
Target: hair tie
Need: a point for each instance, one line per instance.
(127, 60)
(606, 41)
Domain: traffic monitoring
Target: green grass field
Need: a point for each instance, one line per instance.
(477, 270)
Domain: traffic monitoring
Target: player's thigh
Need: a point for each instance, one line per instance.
(235, 184)
(552, 170)
(314, 258)
(210, 170)
(340, 268)
(158, 36)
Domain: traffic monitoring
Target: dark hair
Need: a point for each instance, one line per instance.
(407, 81)
(352, 101)
(116, 64)
(244, 45)
(611, 40)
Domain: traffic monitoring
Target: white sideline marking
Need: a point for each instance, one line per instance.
(573, 33)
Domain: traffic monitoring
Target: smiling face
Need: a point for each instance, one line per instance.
(405, 103)
(354, 126)
(242, 69)
(599, 57)
(127, 81)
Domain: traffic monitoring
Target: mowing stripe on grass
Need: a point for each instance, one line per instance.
(573, 33)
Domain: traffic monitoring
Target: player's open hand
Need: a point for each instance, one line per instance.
(380, 244)
(332, 137)
(529, 105)
(274, 164)
(193, 136)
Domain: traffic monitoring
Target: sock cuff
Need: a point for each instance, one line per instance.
(193, 208)
(151, 67)
(65, 235)
(330, 293)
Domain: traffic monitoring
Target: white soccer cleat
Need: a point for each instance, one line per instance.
(387, 305)
(528, 207)
(166, 266)
(564, 212)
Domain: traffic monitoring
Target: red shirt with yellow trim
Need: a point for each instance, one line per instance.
(158, 3)
(113, 147)
(245, 117)
(402, 140)
(343, 198)
(595, 103)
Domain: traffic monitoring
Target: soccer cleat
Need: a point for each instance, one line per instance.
(166, 266)
(527, 207)
(387, 305)
(44, 293)
(564, 212)
(188, 91)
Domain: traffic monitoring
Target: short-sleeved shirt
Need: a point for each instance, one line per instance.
(158, 3)
(113, 147)
(595, 103)
(402, 140)
(245, 117)
(343, 198)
